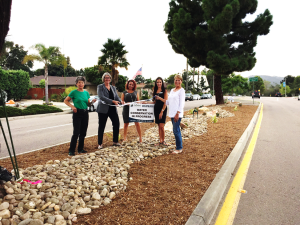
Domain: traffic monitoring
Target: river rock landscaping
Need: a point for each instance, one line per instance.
(136, 183)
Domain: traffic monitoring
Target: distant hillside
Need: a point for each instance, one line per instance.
(272, 79)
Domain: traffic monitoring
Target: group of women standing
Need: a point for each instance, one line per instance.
(109, 99)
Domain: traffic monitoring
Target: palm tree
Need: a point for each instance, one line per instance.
(48, 56)
(113, 57)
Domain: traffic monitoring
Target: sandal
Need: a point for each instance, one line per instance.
(158, 144)
(165, 143)
(100, 146)
(176, 151)
(116, 144)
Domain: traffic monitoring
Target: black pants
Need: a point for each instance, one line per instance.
(80, 125)
(112, 114)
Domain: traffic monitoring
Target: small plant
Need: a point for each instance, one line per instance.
(201, 106)
(217, 114)
(204, 114)
(235, 108)
(35, 96)
(186, 124)
(240, 104)
(214, 119)
(191, 111)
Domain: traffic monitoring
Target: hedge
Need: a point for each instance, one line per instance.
(30, 110)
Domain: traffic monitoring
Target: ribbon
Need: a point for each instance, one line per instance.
(31, 182)
(128, 103)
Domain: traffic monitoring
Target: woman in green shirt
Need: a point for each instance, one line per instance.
(81, 100)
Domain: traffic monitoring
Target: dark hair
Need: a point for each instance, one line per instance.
(163, 87)
(79, 78)
(127, 83)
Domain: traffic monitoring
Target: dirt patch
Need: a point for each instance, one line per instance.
(166, 189)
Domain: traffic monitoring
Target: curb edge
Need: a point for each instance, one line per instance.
(206, 208)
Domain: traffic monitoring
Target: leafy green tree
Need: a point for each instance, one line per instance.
(258, 85)
(296, 85)
(139, 79)
(42, 83)
(4, 81)
(170, 79)
(113, 56)
(120, 86)
(13, 57)
(216, 35)
(5, 49)
(283, 89)
(47, 56)
(149, 83)
(94, 74)
(231, 82)
(15, 83)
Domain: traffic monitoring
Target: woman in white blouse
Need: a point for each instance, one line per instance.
(176, 102)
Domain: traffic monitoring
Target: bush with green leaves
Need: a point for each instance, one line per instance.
(10, 111)
(30, 110)
(15, 83)
(69, 89)
(62, 97)
(42, 83)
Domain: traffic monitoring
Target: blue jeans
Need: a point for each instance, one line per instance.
(177, 133)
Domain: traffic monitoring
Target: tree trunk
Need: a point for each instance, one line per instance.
(114, 75)
(218, 89)
(5, 8)
(194, 78)
(46, 84)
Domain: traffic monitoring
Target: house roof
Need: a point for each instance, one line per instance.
(54, 80)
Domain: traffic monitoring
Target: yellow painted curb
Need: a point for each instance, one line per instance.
(227, 213)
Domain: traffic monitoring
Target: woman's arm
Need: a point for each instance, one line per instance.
(100, 91)
(137, 97)
(166, 98)
(181, 100)
(122, 97)
(67, 102)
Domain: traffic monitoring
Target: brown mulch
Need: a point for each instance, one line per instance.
(166, 189)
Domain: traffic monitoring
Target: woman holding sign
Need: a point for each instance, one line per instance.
(109, 99)
(160, 108)
(130, 95)
(176, 103)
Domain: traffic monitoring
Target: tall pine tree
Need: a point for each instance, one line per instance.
(213, 33)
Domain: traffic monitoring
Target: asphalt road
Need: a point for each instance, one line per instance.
(43, 131)
(272, 182)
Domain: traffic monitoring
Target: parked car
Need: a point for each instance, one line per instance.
(278, 94)
(298, 97)
(206, 96)
(256, 94)
(95, 104)
(189, 96)
(196, 97)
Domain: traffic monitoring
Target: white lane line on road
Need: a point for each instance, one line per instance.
(50, 127)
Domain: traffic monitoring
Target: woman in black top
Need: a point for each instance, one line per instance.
(160, 108)
(130, 95)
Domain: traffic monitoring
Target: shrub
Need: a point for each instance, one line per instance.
(62, 97)
(35, 96)
(69, 89)
(29, 97)
(40, 109)
(10, 111)
(54, 97)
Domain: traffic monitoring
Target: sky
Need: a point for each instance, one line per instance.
(81, 28)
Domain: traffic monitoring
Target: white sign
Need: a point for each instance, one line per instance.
(141, 113)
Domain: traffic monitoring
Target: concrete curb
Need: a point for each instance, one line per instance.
(208, 205)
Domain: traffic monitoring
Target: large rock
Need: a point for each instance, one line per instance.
(96, 196)
(36, 222)
(25, 222)
(82, 211)
(4, 205)
(5, 214)
(51, 219)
